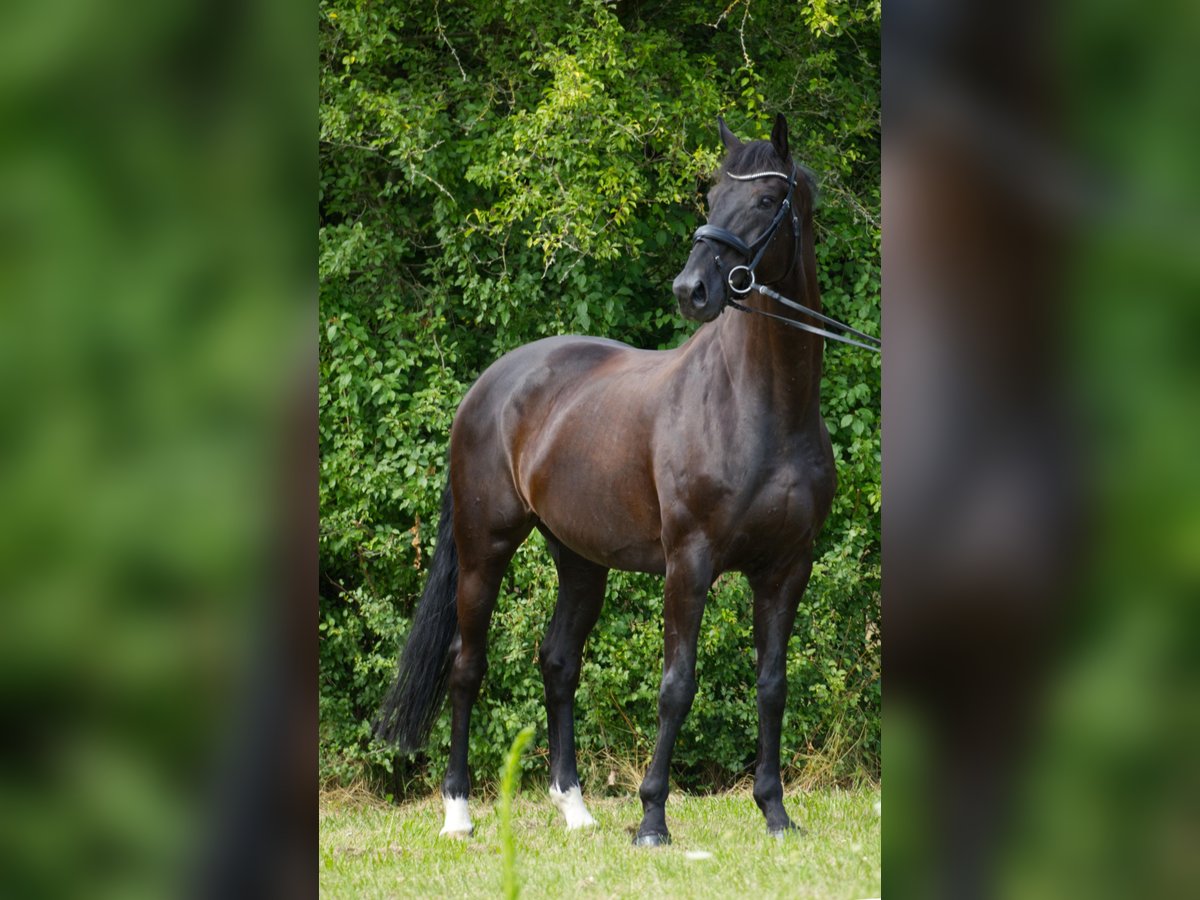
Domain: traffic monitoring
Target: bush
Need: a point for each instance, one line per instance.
(496, 172)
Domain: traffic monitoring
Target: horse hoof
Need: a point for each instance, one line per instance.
(652, 839)
(457, 835)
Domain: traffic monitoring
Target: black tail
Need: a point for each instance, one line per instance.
(412, 704)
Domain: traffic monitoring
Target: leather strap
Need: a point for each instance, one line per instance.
(753, 253)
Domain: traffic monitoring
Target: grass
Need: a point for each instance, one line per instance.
(371, 849)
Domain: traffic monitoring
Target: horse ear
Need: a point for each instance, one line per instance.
(728, 138)
(779, 137)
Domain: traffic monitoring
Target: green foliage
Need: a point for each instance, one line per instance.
(494, 172)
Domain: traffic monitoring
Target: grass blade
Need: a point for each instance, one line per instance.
(508, 787)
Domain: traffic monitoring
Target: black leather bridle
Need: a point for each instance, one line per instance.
(754, 250)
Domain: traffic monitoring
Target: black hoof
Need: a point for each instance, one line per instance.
(652, 839)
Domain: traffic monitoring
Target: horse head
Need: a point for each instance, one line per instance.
(758, 208)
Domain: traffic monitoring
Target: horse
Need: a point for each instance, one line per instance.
(687, 463)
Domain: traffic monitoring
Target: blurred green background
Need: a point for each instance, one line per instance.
(1111, 805)
(156, 292)
(1081, 121)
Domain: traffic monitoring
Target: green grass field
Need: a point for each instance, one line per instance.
(369, 849)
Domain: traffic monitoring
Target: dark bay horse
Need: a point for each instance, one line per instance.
(691, 462)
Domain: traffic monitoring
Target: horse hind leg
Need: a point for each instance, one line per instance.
(580, 596)
(479, 579)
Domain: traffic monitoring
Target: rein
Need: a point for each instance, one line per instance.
(754, 252)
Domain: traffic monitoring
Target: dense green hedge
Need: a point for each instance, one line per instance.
(493, 172)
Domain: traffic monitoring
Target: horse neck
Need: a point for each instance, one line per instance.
(771, 360)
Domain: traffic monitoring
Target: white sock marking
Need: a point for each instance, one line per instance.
(570, 804)
(458, 820)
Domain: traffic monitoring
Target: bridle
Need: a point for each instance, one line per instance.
(754, 251)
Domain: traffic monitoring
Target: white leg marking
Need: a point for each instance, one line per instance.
(570, 804)
(458, 820)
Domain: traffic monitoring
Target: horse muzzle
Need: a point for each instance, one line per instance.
(699, 288)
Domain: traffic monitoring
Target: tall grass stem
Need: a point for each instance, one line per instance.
(508, 787)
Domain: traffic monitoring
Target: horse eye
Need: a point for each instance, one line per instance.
(766, 200)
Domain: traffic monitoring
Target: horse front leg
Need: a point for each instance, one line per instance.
(776, 597)
(688, 579)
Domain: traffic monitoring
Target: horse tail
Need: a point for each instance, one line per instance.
(411, 706)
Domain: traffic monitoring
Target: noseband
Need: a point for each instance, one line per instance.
(754, 251)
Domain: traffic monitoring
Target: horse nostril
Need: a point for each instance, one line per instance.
(699, 294)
